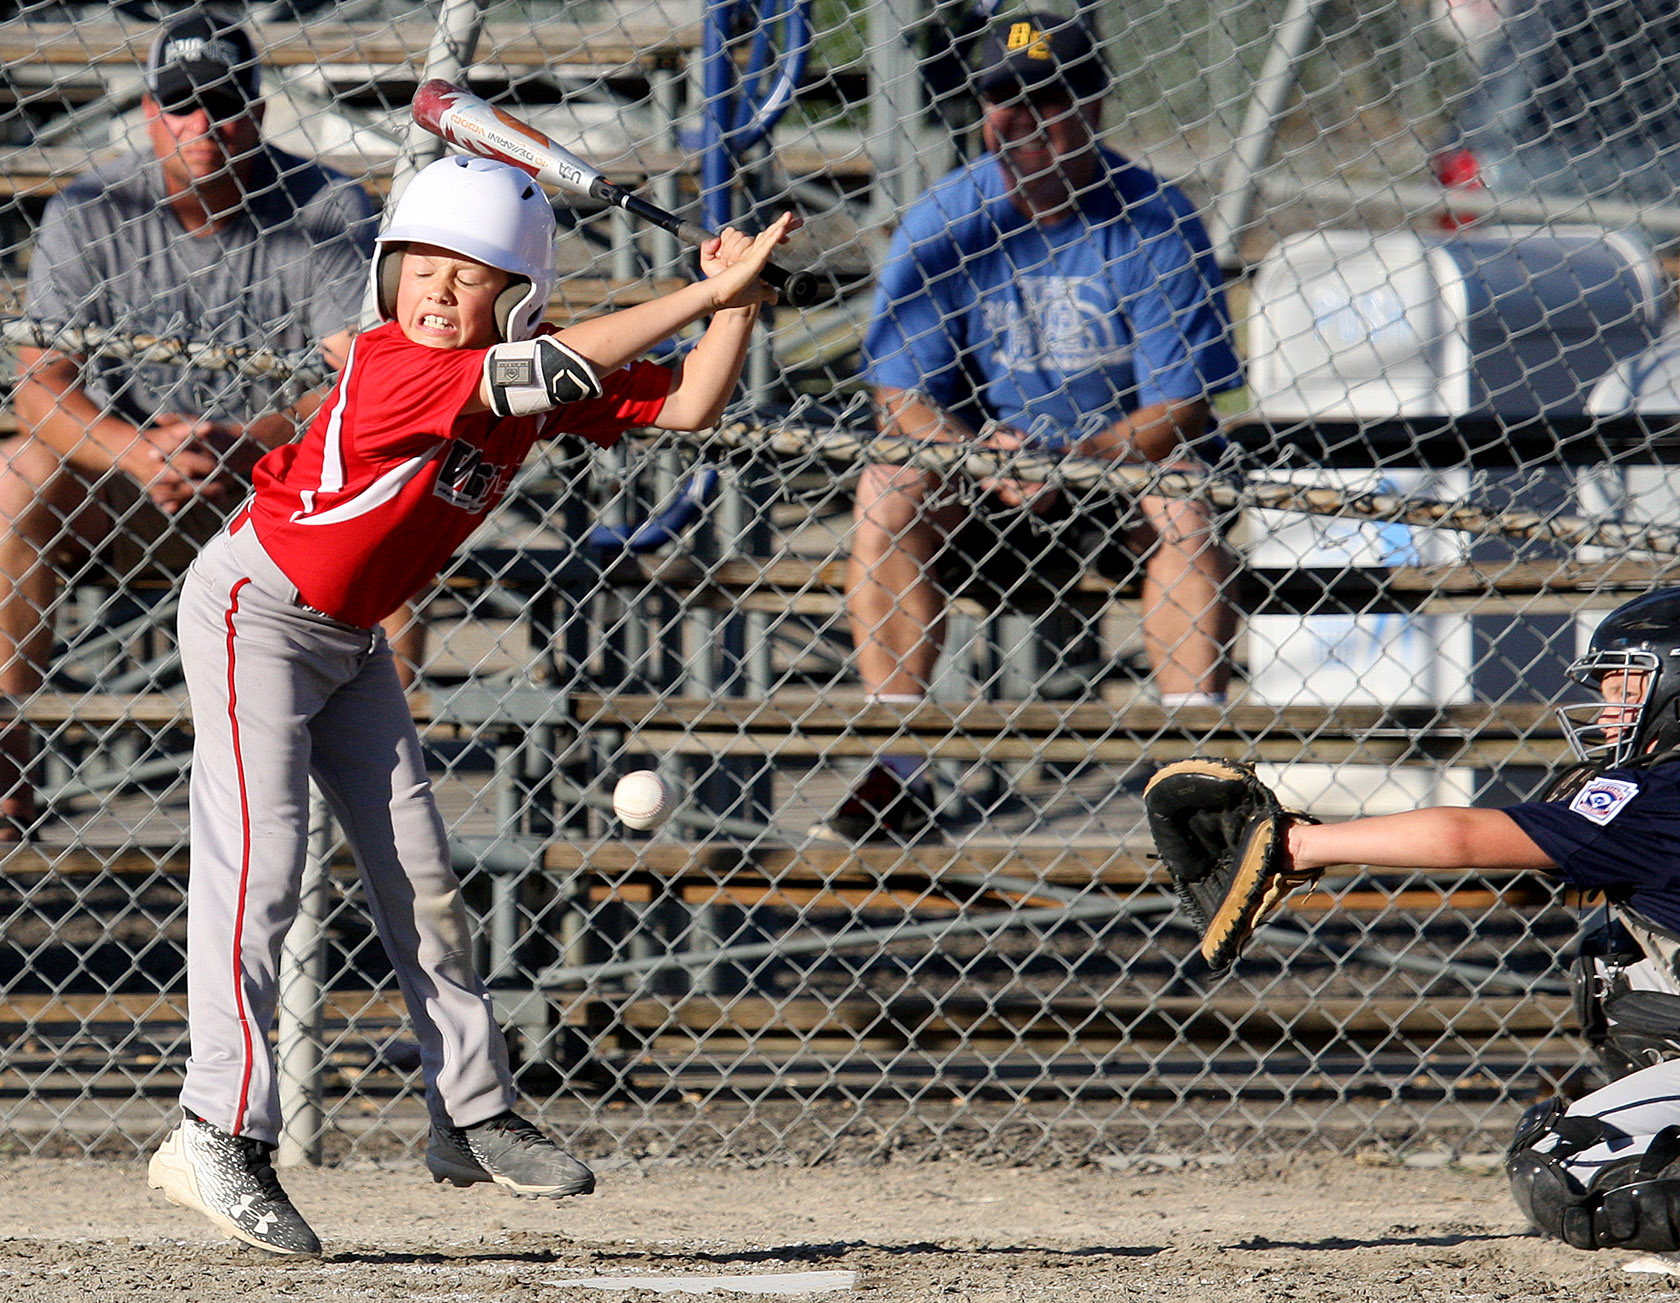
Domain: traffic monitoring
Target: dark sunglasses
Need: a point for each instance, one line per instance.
(221, 105)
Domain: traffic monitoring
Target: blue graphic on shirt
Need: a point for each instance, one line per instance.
(1061, 330)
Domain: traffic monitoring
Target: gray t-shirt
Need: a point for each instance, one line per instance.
(289, 270)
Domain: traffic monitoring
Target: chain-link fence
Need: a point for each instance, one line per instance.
(906, 886)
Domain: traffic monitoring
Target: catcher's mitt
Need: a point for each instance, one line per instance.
(1224, 838)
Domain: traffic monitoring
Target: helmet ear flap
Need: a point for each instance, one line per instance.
(387, 275)
(508, 301)
(1663, 731)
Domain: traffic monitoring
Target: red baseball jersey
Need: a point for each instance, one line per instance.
(365, 509)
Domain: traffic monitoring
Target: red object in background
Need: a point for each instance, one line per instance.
(1457, 169)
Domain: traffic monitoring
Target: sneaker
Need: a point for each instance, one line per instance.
(882, 807)
(509, 1151)
(231, 1180)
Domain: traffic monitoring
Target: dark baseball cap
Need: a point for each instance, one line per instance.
(1038, 50)
(199, 58)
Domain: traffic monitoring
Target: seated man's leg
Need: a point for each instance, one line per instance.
(1188, 618)
(896, 609)
(893, 601)
(43, 506)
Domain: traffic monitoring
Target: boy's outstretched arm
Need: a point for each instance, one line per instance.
(707, 377)
(1440, 837)
(546, 376)
(732, 282)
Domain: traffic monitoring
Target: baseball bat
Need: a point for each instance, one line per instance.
(476, 126)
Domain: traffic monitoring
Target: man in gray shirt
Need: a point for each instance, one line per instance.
(214, 236)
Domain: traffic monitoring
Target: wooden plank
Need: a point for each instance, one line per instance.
(883, 899)
(854, 899)
(867, 878)
(902, 879)
(605, 46)
(1042, 861)
(812, 713)
(1441, 746)
(1061, 863)
(35, 172)
(21, 861)
(1475, 735)
(102, 709)
(817, 585)
(1295, 1018)
(341, 1006)
(1531, 587)
(156, 710)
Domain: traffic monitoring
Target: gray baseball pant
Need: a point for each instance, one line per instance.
(280, 693)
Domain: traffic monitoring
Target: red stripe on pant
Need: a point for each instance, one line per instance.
(244, 860)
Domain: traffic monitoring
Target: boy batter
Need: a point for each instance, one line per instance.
(290, 675)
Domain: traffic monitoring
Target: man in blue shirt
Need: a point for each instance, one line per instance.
(1603, 1171)
(1050, 295)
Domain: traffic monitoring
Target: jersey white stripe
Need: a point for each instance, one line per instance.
(332, 446)
(381, 491)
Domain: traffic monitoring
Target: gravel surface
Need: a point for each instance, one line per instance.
(1324, 1229)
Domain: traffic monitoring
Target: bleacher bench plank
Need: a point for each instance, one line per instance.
(38, 171)
(1532, 587)
(816, 586)
(608, 46)
(1475, 734)
(805, 724)
(865, 877)
(471, 711)
(155, 1007)
(800, 586)
(1297, 1019)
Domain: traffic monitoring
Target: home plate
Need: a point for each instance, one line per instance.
(1666, 1264)
(786, 1283)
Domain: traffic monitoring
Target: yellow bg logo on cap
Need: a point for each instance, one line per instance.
(1024, 36)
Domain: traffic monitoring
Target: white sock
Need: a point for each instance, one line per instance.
(1171, 700)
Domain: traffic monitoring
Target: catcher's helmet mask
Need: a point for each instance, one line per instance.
(1641, 636)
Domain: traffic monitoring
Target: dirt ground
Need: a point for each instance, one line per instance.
(1324, 1230)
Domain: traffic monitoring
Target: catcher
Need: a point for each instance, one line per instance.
(1604, 1171)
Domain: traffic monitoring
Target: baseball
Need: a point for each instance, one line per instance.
(641, 800)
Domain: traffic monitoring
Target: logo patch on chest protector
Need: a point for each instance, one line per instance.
(1602, 799)
(513, 371)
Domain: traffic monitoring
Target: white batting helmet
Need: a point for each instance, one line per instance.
(485, 210)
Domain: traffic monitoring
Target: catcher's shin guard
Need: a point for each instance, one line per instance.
(1632, 1203)
(1555, 1204)
(1642, 1215)
(1640, 1208)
